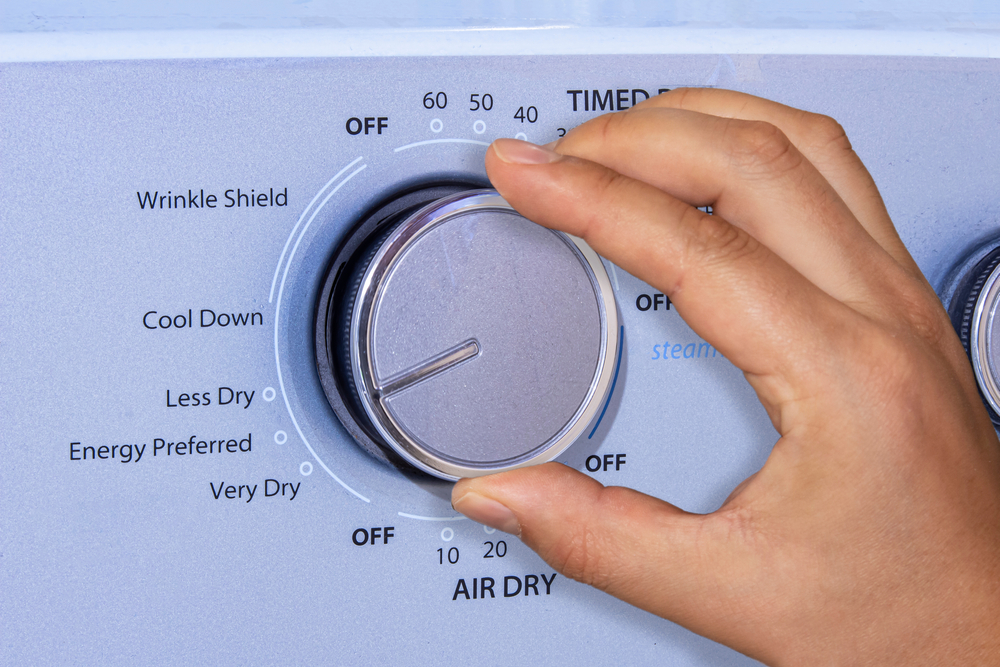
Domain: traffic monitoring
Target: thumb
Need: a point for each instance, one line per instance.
(633, 546)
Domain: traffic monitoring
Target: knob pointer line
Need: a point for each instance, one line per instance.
(425, 370)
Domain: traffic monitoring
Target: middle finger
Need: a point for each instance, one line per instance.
(755, 178)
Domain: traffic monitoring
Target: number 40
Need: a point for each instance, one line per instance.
(531, 115)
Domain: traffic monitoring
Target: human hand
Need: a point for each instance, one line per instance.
(872, 533)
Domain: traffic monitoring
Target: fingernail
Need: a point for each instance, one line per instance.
(515, 151)
(487, 511)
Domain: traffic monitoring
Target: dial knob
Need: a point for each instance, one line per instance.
(464, 339)
(974, 313)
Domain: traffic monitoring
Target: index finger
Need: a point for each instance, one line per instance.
(819, 138)
(732, 290)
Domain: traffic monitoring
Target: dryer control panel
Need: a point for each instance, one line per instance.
(258, 314)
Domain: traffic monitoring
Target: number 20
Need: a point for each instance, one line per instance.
(500, 549)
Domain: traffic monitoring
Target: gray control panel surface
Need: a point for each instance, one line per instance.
(175, 487)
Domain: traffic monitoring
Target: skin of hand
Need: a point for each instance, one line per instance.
(872, 533)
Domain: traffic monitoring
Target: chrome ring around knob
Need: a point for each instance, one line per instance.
(974, 303)
(983, 348)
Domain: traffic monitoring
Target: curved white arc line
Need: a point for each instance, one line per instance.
(441, 141)
(302, 217)
(312, 217)
(284, 396)
(277, 357)
(432, 518)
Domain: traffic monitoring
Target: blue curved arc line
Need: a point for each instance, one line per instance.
(621, 346)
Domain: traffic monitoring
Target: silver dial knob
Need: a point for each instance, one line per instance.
(478, 341)
(975, 313)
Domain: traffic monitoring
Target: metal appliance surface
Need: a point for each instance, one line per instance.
(175, 485)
